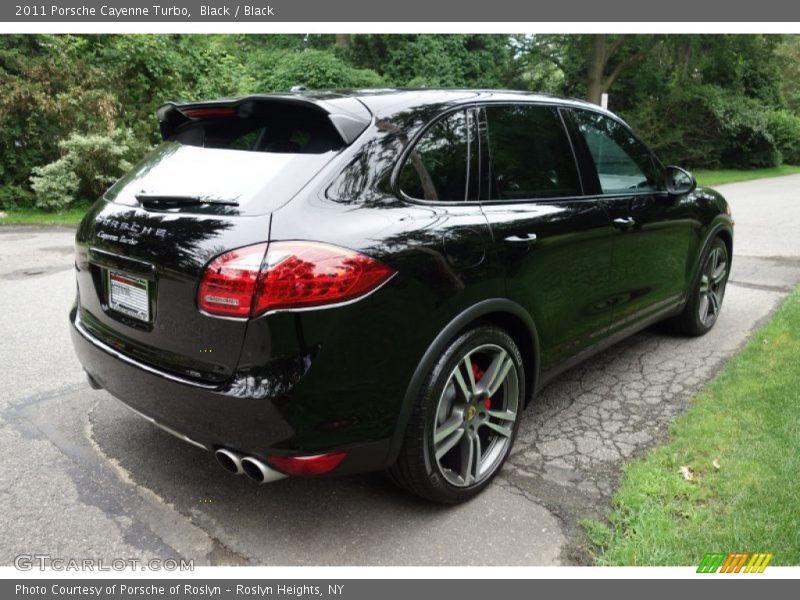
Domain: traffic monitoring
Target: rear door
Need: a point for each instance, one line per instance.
(653, 231)
(553, 243)
(210, 189)
(441, 173)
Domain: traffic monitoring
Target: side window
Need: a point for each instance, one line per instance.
(530, 154)
(442, 163)
(623, 163)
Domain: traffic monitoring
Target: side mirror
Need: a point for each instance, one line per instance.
(679, 181)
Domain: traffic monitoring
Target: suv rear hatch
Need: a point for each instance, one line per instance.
(209, 188)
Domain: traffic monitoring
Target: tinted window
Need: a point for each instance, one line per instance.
(438, 168)
(279, 129)
(530, 154)
(623, 163)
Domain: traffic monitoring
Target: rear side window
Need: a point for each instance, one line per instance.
(277, 129)
(442, 163)
(530, 154)
(623, 163)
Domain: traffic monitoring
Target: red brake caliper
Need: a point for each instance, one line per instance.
(478, 374)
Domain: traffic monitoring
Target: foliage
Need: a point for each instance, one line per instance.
(15, 196)
(315, 69)
(784, 127)
(701, 100)
(704, 126)
(89, 164)
(435, 60)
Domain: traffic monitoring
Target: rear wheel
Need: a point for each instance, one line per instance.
(705, 301)
(465, 419)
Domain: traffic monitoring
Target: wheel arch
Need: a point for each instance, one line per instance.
(727, 237)
(722, 229)
(502, 312)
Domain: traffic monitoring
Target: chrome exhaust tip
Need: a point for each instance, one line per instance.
(260, 472)
(230, 461)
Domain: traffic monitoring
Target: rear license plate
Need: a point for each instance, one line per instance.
(129, 295)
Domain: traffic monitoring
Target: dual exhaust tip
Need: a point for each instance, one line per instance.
(257, 470)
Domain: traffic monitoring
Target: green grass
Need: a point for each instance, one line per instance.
(747, 419)
(722, 176)
(37, 217)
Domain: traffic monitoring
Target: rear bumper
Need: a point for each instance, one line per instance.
(211, 416)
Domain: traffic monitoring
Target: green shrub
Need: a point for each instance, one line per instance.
(746, 141)
(13, 196)
(316, 69)
(706, 127)
(55, 185)
(88, 165)
(785, 129)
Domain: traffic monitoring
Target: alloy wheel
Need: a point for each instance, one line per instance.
(712, 286)
(475, 416)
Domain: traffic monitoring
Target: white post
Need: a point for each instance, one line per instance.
(604, 100)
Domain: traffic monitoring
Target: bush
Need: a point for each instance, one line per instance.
(88, 165)
(706, 127)
(785, 129)
(746, 141)
(315, 69)
(14, 196)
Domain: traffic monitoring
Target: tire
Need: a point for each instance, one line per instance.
(707, 292)
(456, 418)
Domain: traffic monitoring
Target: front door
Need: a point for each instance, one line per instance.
(654, 230)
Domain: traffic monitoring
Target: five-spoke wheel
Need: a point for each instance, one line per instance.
(465, 419)
(712, 285)
(476, 414)
(704, 300)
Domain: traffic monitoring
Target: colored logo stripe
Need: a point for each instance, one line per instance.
(734, 563)
(711, 563)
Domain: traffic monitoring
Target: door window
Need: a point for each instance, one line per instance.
(530, 154)
(623, 163)
(441, 165)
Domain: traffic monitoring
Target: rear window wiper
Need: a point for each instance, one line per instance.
(162, 201)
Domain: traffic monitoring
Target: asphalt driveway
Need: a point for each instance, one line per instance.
(82, 476)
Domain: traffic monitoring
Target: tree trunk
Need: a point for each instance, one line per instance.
(595, 69)
(342, 40)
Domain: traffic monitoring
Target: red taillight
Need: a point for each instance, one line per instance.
(209, 112)
(303, 274)
(244, 282)
(307, 465)
(230, 280)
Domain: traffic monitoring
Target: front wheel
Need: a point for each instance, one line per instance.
(705, 300)
(465, 419)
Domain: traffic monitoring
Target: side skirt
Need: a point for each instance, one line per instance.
(548, 375)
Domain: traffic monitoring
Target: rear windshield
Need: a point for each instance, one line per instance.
(277, 129)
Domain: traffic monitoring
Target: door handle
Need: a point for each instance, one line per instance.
(526, 239)
(624, 222)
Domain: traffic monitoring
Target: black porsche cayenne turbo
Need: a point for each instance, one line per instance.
(334, 283)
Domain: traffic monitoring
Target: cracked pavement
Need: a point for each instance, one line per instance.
(84, 477)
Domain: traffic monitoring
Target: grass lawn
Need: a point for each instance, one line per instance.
(37, 217)
(740, 440)
(732, 175)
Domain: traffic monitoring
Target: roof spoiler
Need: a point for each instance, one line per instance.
(348, 115)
